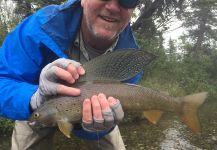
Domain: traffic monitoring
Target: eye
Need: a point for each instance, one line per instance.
(36, 115)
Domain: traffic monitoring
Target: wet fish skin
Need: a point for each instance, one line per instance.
(66, 110)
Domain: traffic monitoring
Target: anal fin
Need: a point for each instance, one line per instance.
(152, 115)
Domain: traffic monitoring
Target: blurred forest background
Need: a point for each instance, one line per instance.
(185, 65)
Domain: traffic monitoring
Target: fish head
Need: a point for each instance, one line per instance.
(43, 117)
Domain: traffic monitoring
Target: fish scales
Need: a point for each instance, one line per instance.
(66, 110)
(132, 98)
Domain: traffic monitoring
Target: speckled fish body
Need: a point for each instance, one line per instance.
(132, 97)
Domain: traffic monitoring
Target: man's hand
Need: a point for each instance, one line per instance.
(51, 78)
(100, 113)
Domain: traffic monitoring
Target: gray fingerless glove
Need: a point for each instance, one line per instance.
(110, 119)
(48, 81)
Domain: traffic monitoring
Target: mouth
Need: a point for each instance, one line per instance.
(35, 124)
(32, 123)
(109, 19)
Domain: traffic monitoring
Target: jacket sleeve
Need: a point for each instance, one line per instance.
(26, 50)
(20, 65)
(135, 79)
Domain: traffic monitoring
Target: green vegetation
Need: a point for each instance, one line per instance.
(6, 126)
(180, 75)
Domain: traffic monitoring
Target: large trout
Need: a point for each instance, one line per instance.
(102, 76)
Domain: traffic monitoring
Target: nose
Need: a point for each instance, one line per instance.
(113, 6)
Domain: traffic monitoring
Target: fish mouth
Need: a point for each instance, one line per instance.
(35, 124)
(32, 123)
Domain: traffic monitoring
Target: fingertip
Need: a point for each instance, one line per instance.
(77, 91)
(69, 91)
(87, 112)
(76, 76)
(86, 101)
(86, 105)
(72, 81)
(112, 101)
(104, 102)
(73, 71)
(94, 98)
(101, 95)
(81, 70)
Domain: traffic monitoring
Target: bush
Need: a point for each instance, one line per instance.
(6, 126)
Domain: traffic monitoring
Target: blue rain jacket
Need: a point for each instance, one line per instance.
(38, 40)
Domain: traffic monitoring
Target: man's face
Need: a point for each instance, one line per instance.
(104, 19)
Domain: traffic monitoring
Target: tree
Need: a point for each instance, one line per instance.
(172, 51)
(25, 8)
(201, 21)
(7, 19)
(155, 14)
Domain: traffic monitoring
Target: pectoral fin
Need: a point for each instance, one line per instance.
(152, 115)
(65, 127)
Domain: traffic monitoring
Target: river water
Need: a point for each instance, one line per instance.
(139, 134)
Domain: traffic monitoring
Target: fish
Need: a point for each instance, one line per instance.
(65, 111)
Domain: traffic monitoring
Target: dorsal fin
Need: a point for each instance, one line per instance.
(119, 65)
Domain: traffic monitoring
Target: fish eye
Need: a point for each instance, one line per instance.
(36, 115)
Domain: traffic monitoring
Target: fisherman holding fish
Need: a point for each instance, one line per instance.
(42, 57)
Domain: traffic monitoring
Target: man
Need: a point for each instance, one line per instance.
(42, 53)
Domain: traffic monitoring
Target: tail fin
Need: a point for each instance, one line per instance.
(191, 103)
